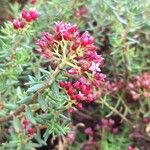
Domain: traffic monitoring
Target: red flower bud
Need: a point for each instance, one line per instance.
(26, 122)
(28, 17)
(22, 24)
(62, 84)
(16, 24)
(30, 131)
(146, 120)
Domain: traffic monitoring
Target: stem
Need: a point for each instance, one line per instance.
(124, 49)
(9, 117)
(19, 40)
(116, 111)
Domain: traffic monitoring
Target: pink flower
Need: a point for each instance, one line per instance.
(95, 67)
(34, 14)
(89, 131)
(86, 39)
(71, 136)
(79, 96)
(99, 76)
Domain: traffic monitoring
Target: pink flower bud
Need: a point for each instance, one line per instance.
(16, 24)
(115, 130)
(91, 40)
(105, 122)
(66, 35)
(85, 41)
(89, 131)
(34, 14)
(79, 106)
(67, 85)
(22, 24)
(26, 122)
(146, 120)
(130, 148)
(72, 71)
(72, 29)
(78, 97)
(70, 110)
(76, 85)
(71, 137)
(111, 122)
(24, 13)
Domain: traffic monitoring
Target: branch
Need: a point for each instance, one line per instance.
(10, 117)
(124, 48)
(35, 96)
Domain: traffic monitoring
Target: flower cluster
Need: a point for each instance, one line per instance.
(137, 87)
(25, 17)
(140, 86)
(82, 61)
(109, 124)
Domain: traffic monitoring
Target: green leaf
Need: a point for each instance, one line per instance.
(55, 90)
(35, 88)
(25, 100)
(29, 115)
(46, 116)
(42, 102)
(46, 135)
(16, 124)
(11, 106)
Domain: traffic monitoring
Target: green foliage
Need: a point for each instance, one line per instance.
(115, 142)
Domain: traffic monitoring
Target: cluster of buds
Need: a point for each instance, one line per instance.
(109, 124)
(25, 17)
(27, 126)
(82, 61)
(140, 86)
(80, 11)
